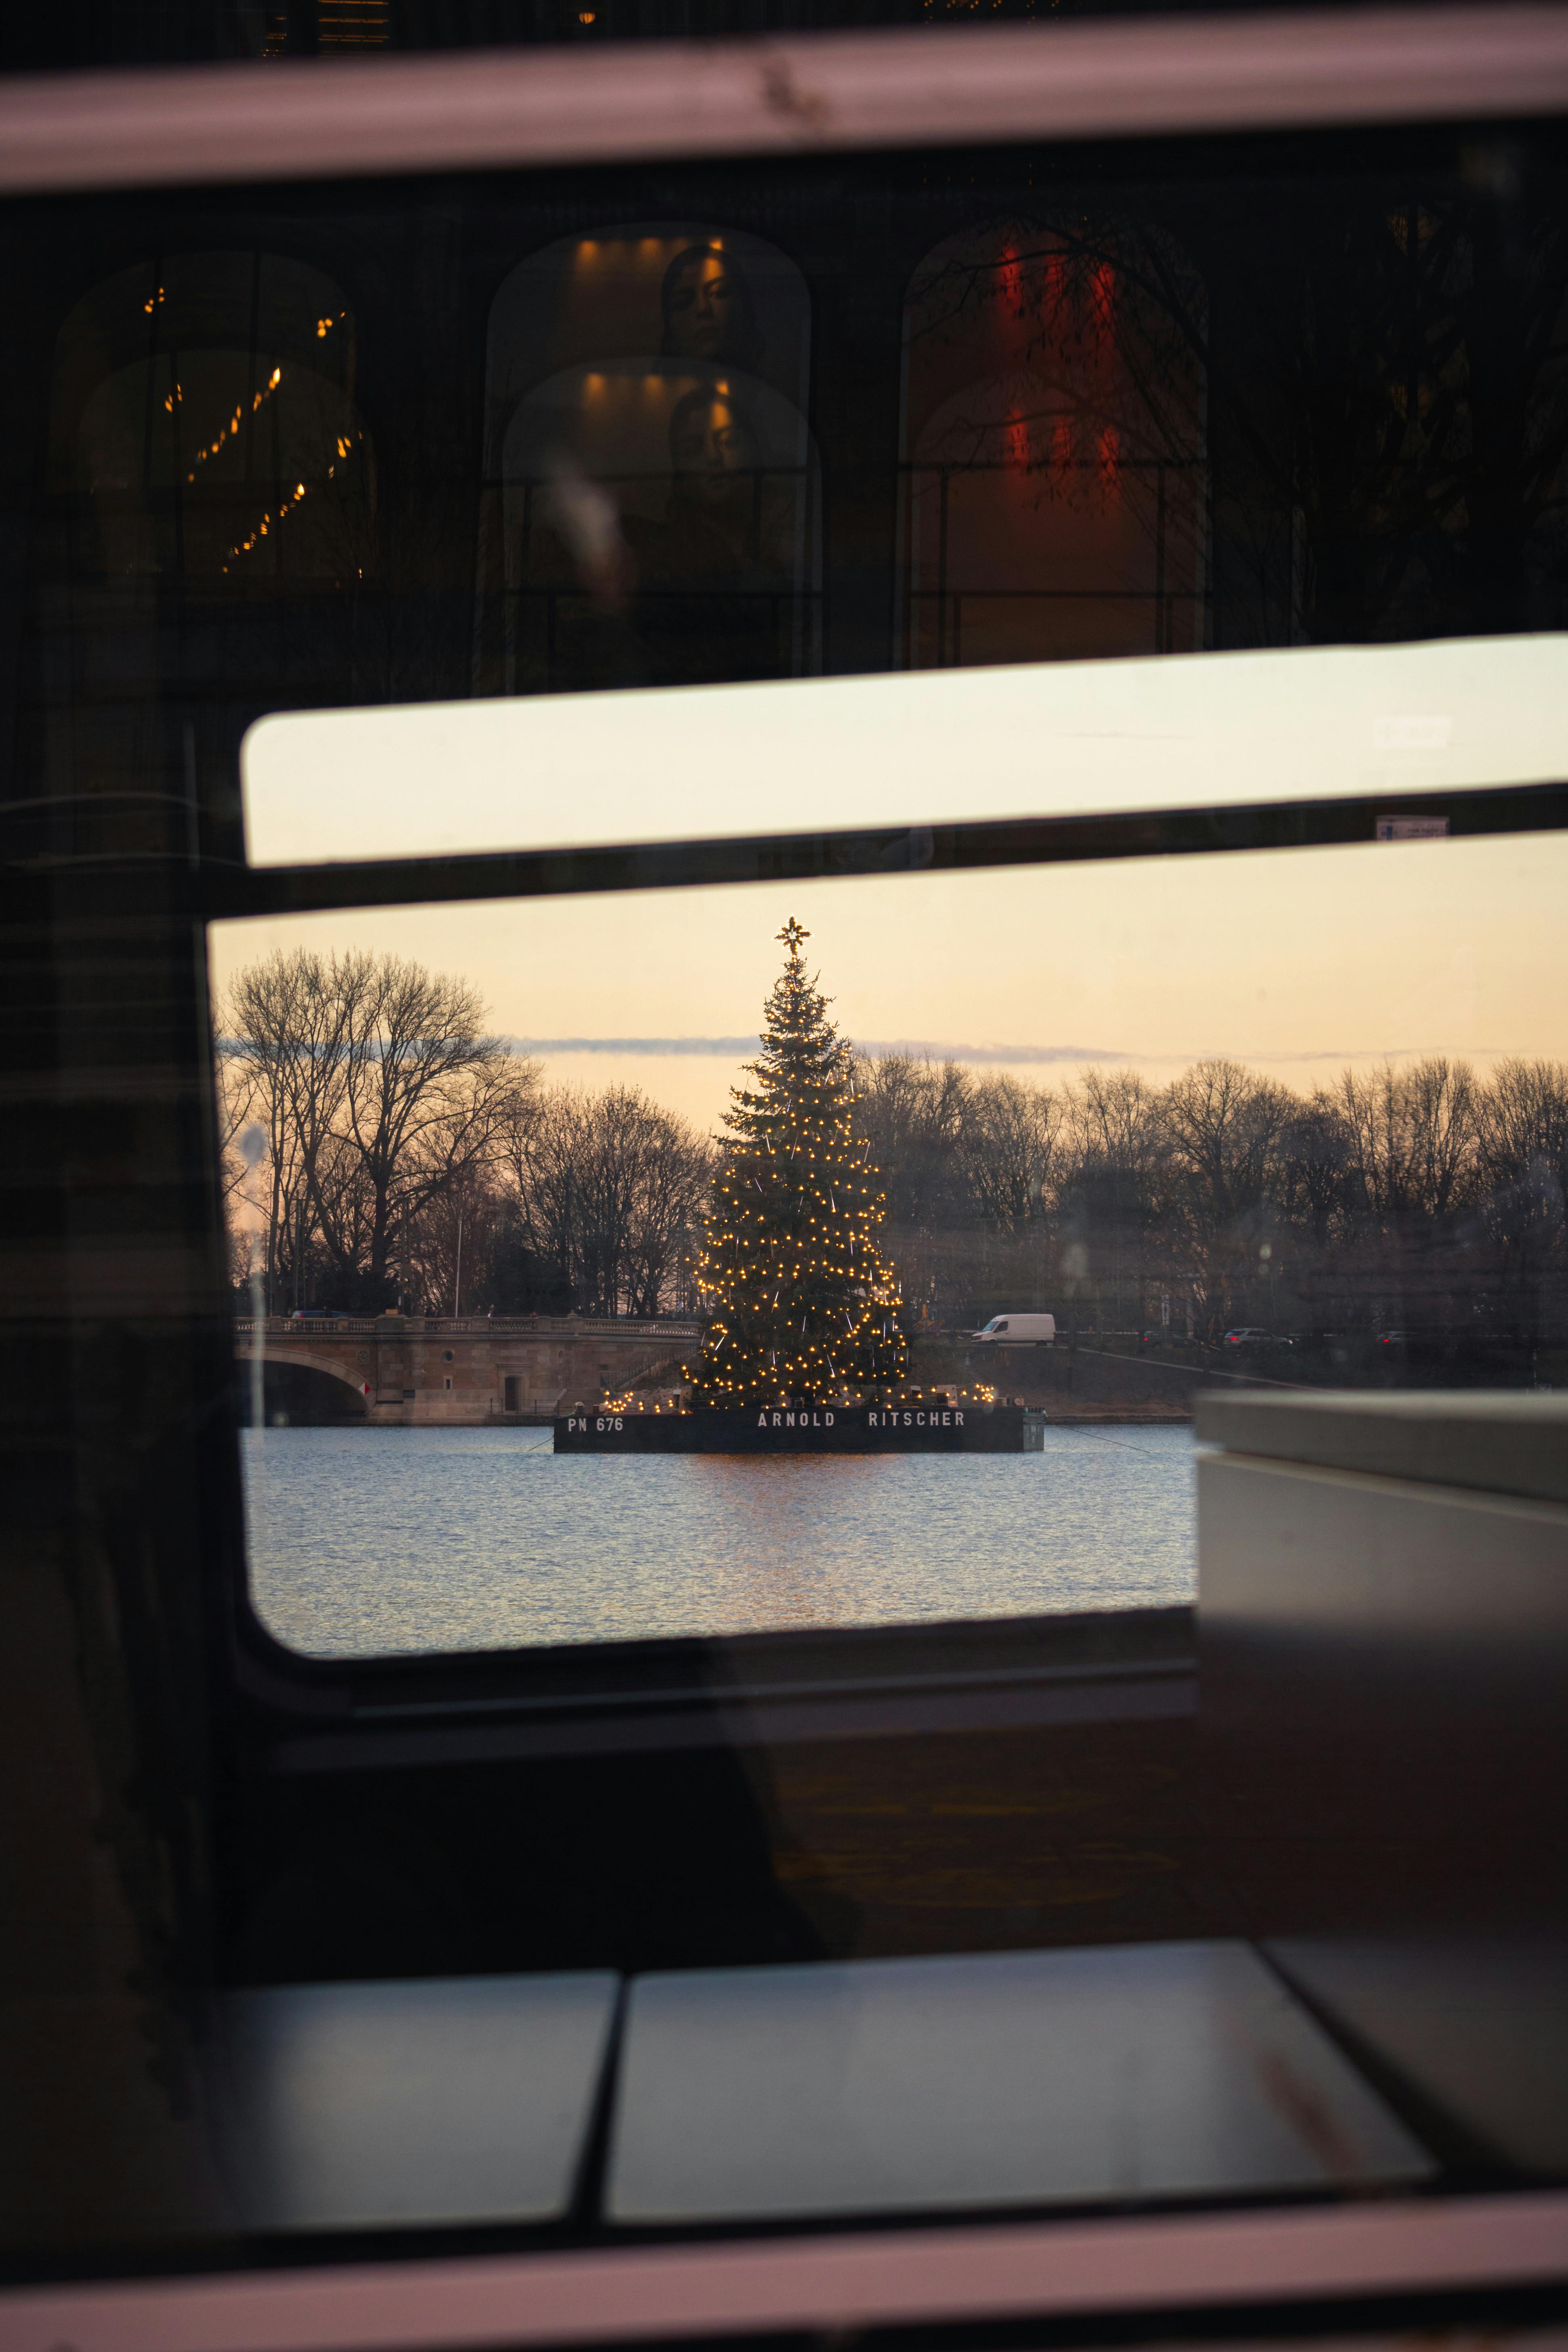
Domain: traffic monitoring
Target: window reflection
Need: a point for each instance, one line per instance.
(209, 537)
(652, 493)
(204, 413)
(1054, 455)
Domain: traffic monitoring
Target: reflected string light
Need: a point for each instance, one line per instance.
(300, 491)
(232, 428)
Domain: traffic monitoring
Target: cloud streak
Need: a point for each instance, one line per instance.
(939, 1050)
(728, 1048)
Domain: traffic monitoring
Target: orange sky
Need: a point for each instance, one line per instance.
(1294, 962)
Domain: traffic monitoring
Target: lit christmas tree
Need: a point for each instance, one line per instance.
(804, 1308)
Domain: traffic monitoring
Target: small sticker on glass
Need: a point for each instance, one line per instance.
(1412, 828)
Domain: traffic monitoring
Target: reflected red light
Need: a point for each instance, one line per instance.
(1102, 301)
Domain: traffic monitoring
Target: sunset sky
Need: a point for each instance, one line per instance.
(1294, 962)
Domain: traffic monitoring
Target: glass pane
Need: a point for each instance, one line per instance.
(1037, 740)
(1103, 1136)
(513, 440)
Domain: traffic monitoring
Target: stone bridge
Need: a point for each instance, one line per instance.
(395, 1369)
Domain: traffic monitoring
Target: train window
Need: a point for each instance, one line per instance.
(910, 551)
(762, 799)
(532, 1136)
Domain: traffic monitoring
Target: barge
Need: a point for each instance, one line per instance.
(932, 1428)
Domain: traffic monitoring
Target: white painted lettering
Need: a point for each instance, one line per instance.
(947, 1421)
(909, 1419)
(778, 1421)
(921, 1418)
(789, 1420)
(762, 1420)
(620, 1424)
(828, 1421)
(870, 1421)
(599, 1423)
(958, 1421)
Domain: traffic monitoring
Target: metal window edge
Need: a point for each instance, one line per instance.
(994, 2271)
(921, 86)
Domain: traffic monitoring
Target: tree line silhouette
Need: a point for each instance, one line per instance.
(1422, 1196)
(380, 1147)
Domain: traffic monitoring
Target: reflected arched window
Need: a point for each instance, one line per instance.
(652, 496)
(203, 428)
(1055, 475)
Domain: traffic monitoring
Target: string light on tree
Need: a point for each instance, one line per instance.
(802, 1305)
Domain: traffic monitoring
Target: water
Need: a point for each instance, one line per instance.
(370, 1542)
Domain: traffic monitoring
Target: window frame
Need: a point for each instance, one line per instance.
(120, 131)
(720, 1689)
(803, 94)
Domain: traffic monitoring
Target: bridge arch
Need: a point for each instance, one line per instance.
(306, 1388)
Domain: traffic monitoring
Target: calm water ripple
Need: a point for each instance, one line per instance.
(366, 1542)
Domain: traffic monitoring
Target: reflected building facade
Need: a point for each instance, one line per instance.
(652, 516)
(1054, 460)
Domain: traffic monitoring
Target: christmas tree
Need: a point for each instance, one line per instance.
(803, 1307)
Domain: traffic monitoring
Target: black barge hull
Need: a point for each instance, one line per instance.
(811, 1429)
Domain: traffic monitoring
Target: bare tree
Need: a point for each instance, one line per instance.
(235, 1106)
(606, 1186)
(1522, 1165)
(1412, 1137)
(1223, 1123)
(913, 1114)
(1009, 1141)
(380, 1090)
(286, 1048)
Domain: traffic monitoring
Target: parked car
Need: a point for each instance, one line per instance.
(1247, 1335)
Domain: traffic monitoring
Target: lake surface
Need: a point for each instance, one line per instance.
(367, 1542)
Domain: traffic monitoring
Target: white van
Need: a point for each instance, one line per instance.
(1019, 1330)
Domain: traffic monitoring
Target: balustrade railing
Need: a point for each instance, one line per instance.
(468, 1327)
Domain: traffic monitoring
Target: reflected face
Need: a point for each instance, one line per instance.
(701, 309)
(711, 446)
